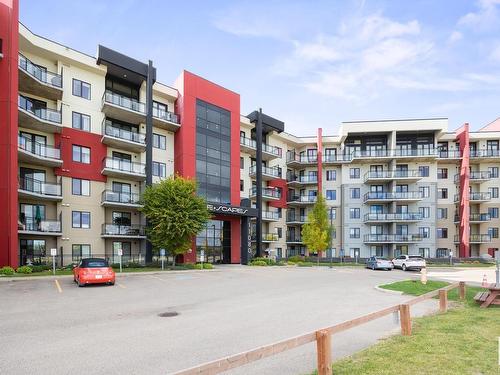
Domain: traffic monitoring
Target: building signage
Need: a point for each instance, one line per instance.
(226, 209)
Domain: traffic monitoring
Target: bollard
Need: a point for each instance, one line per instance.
(324, 351)
(423, 276)
(405, 318)
(443, 301)
(461, 290)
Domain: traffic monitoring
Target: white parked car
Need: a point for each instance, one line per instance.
(409, 262)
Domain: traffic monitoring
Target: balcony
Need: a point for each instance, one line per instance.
(448, 155)
(123, 139)
(370, 155)
(40, 190)
(123, 108)
(293, 199)
(292, 218)
(40, 119)
(38, 153)
(268, 194)
(40, 228)
(475, 218)
(475, 238)
(415, 153)
(336, 159)
(293, 239)
(166, 120)
(123, 231)
(269, 216)
(406, 196)
(407, 217)
(269, 152)
(302, 180)
(266, 237)
(115, 167)
(386, 176)
(37, 80)
(268, 173)
(476, 197)
(294, 159)
(478, 156)
(111, 198)
(392, 238)
(476, 177)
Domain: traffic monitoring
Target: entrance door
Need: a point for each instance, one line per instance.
(215, 241)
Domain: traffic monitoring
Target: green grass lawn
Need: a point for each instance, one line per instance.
(462, 341)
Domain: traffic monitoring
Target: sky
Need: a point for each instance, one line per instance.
(308, 63)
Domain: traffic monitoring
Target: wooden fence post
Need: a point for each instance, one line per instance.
(443, 300)
(461, 289)
(405, 319)
(324, 351)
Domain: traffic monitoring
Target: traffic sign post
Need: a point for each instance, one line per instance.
(120, 253)
(202, 257)
(451, 257)
(162, 255)
(53, 253)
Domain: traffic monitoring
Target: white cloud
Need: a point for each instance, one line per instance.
(495, 53)
(486, 17)
(455, 36)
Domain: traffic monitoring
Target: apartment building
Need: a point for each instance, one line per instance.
(84, 135)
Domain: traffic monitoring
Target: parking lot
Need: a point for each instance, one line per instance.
(50, 326)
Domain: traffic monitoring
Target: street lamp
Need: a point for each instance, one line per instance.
(331, 237)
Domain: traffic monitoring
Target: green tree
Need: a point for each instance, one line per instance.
(175, 213)
(317, 231)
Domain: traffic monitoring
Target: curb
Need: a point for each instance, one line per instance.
(376, 287)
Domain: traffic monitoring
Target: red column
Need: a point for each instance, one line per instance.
(320, 161)
(462, 136)
(9, 34)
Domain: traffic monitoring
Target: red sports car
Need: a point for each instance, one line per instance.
(93, 271)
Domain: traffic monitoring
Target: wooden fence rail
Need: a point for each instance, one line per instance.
(323, 337)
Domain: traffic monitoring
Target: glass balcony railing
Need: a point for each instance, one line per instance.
(44, 114)
(123, 101)
(333, 158)
(370, 154)
(248, 142)
(307, 179)
(301, 198)
(383, 195)
(44, 226)
(478, 238)
(109, 196)
(476, 196)
(270, 215)
(416, 152)
(488, 153)
(293, 238)
(449, 154)
(476, 217)
(113, 131)
(269, 237)
(123, 165)
(267, 192)
(269, 171)
(291, 156)
(38, 149)
(392, 238)
(393, 174)
(407, 216)
(291, 217)
(165, 115)
(131, 230)
(40, 187)
(38, 72)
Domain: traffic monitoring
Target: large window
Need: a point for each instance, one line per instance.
(159, 169)
(81, 121)
(213, 152)
(81, 154)
(81, 89)
(331, 195)
(79, 251)
(331, 175)
(354, 213)
(32, 251)
(354, 173)
(80, 187)
(159, 141)
(80, 219)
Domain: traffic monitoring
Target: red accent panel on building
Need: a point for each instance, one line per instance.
(98, 152)
(9, 33)
(320, 161)
(192, 87)
(462, 136)
(280, 183)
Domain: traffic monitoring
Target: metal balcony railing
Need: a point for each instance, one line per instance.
(267, 192)
(165, 115)
(120, 197)
(109, 129)
(270, 171)
(132, 230)
(307, 179)
(291, 156)
(38, 149)
(266, 237)
(44, 114)
(265, 147)
(42, 226)
(476, 196)
(372, 195)
(401, 152)
(41, 74)
(476, 176)
(449, 154)
(395, 174)
(40, 187)
(370, 154)
(488, 153)
(123, 165)
(123, 101)
(392, 238)
(407, 216)
(332, 158)
(293, 238)
(271, 215)
(293, 217)
(475, 217)
(475, 238)
(301, 198)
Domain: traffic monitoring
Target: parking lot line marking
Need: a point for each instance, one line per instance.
(121, 286)
(156, 277)
(59, 289)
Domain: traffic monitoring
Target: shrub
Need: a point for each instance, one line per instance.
(295, 259)
(305, 264)
(132, 265)
(41, 268)
(259, 263)
(7, 271)
(24, 269)
(206, 266)
(269, 261)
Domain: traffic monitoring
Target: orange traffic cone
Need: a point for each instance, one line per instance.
(485, 281)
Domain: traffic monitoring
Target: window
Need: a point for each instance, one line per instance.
(80, 251)
(442, 253)
(423, 171)
(425, 191)
(425, 212)
(354, 213)
(493, 211)
(159, 169)
(280, 212)
(159, 141)
(354, 173)
(424, 252)
(493, 172)
(331, 175)
(443, 193)
(242, 185)
(355, 193)
(31, 251)
(332, 213)
(442, 232)
(331, 195)
(493, 232)
(81, 154)
(242, 162)
(442, 173)
(442, 213)
(424, 232)
(493, 192)
(80, 219)
(81, 89)
(80, 187)
(280, 232)
(354, 233)
(81, 121)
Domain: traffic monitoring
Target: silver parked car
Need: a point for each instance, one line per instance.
(379, 263)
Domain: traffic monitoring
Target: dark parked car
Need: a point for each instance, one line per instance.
(379, 263)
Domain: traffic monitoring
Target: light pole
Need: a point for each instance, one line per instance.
(213, 226)
(331, 236)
